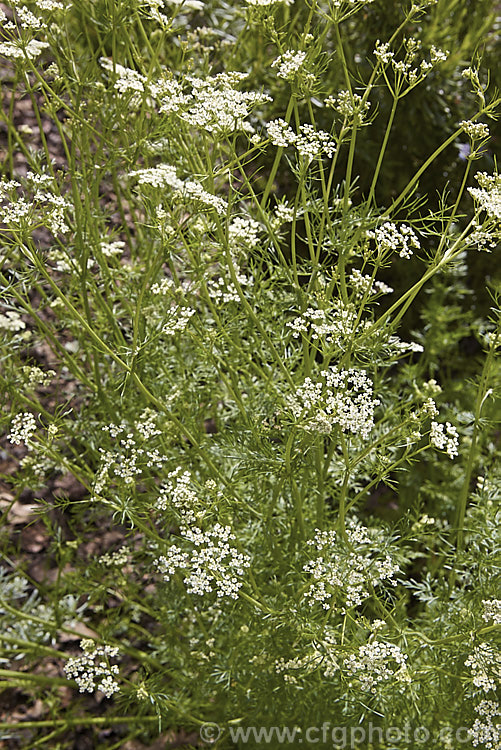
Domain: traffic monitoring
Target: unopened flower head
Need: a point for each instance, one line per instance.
(476, 130)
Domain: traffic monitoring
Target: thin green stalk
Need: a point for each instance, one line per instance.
(23, 678)
(482, 395)
(77, 722)
(382, 150)
(278, 157)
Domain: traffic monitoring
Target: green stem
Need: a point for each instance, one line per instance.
(278, 157)
(382, 150)
(482, 394)
(83, 721)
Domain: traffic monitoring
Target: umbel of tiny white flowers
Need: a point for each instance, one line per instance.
(339, 397)
(211, 565)
(92, 670)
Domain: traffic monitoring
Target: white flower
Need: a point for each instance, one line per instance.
(309, 143)
(348, 104)
(361, 284)
(22, 428)
(280, 133)
(484, 730)
(127, 79)
(445, 438)
(339, 397)
(11, 321)
(165, 175)
(217, 106)
(375, 663)
(343, 576)
(32, 50)
(485, 666)
(389, 238)
(383, 53)
(475, 130)
(211, 564)
(492, 609)
(267, 3)
(93, 671)
(488, 195)
(179, 318)
(244, 230)
(288, 64)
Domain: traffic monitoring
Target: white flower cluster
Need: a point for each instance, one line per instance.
(485, 666)
(22, 429)
(163, 287)
(377, 662)
(212, 565)
(346, 3)
(406, 68)
(297, 664)
(389, 238)
(333, 326)
(179, 317)
(288, 64)
(244, 230)
(213, 103)
(342, 576)
(10, 320)
(51, 5)
(31, 50)
(130, 459)
(28, 20)
(177, 492)
(165, 175)
(483, 241)
(45, 207)
(111, 249)
(404, 346)
(349, 105)
(475, 130)
(340, 397)
(184, 4)
(485, 730)
(280, 133)
(310, 143)
(283, 214)
(488, 195)
(35, 376)
(93, 671)
(361, 283)
(170, 95)
(218, 107)
(223, 291)
(127, 79)
(492, 610)
(267, 3)
(445, 438)
(116, 559)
